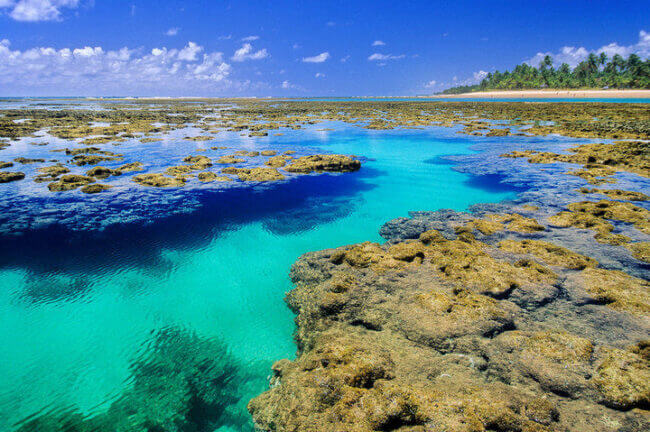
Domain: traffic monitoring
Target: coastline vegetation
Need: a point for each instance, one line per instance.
(596, 71)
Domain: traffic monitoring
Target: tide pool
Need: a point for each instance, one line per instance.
(76, 311)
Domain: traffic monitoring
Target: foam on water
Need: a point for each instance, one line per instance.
(76, 310)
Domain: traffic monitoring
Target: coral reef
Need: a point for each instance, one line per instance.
(185, 384)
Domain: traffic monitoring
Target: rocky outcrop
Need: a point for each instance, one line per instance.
(320, 163)
(448, 332)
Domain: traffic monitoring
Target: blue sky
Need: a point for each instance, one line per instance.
(294, 48)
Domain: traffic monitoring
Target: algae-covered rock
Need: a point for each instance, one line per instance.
(210, 177)
(6, 164)
(640, 250)
(6, 177)
(268, 152)
(318, 163)
(595, 216)
(559, 361)
(623, 379)
(179, 170)
(90, 159)
(131, 167)
(70, 181)
(198, 162)
(158, 180)
(618, 194)
(199, 138)
(95, 188)
(229, 160)
(278, 161)
(255, 174)
(100, 172)
(599, 160)
(549, 253)
(26, 161)
(618, 290)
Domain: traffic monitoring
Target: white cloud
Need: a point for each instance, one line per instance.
(93, 70)
(319, 75)
(320, 58)
(190, 52)
(172, 31)
(384, 57)
(36, 10)
(344, 59)
(572, 55)
(296, 46)
(286, 84)
(431, 84)
(378, 43)
(246, 53)
(250, 38)
(225, 37)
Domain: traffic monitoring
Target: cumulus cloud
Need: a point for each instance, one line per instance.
(93, 69)
(172, 31)
(246, 52)
(36, 10)
(384, 57)
(286, 84)
(250, 38)
(431, 84)
(319, 75)
(572, 55)
(320, 58)
(378, 43)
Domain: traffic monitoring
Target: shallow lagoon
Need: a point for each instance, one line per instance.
(77, 309)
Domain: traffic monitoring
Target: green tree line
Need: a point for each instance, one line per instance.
(596, 71)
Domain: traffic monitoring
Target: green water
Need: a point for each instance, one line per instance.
(75, 352)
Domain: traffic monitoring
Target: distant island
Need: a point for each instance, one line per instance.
(595, 72)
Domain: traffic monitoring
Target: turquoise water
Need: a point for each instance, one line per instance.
(443, 99)
(76, 312)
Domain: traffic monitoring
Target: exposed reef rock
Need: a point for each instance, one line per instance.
(158, 180)
(50, 173)
(438, 330)
(600, 161)
(255, 174)
(95, 188)
(6, 177)
(319, 163)
(210, 176)
(70, 181)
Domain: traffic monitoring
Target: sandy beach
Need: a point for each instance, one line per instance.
(551, 94)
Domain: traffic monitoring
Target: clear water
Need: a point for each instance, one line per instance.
(77, 310)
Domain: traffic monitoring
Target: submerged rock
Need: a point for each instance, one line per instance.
(185, 383)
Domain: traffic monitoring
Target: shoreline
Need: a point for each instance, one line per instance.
(550, 94)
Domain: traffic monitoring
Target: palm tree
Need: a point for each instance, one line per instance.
(602, 58)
